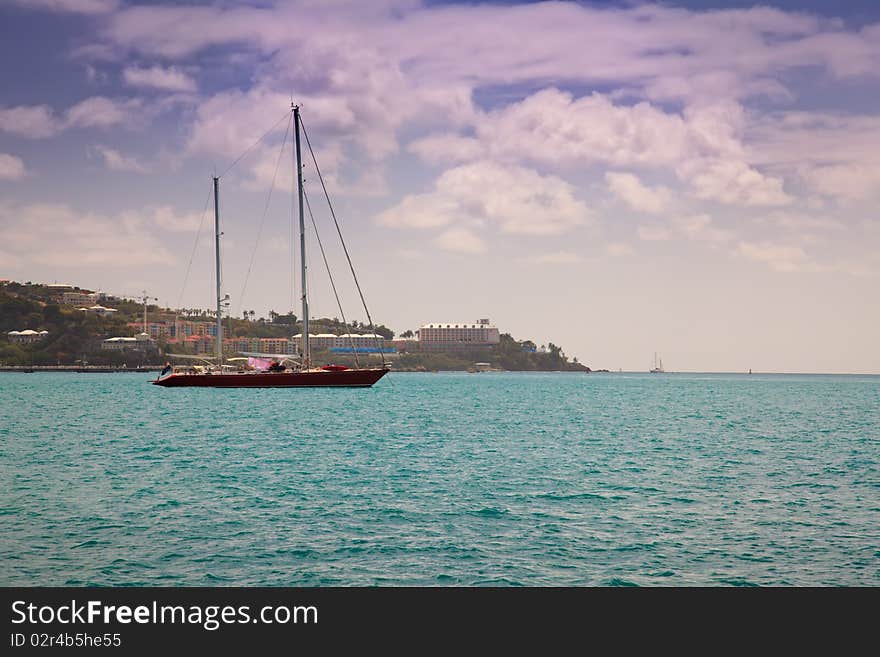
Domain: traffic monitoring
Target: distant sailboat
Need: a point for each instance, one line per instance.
(657, 366)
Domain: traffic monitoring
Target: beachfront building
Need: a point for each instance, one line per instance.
(173, 331)
(275, 345)
(240, 344)
(199, 344)
(78, 298)
(440, 337)
(27, 336)
(140, 342)
(100, 311)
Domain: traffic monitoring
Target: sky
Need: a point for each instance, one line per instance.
(697, 179)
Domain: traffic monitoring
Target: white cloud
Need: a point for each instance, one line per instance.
(368, 73)
(781, 257)
(618, 249)
(699, 227)
(71, 6)
(443, 42)
(116, 161)
(461, 240)
(797, 221)
(630, 189)
(702, 146)
(39, 121)
(29, 121)
(847, 182)
(100, 112)
(157, 77)
(734, 182)
(836, 155)
(11, 167)
(552, 128)
(168, 219)
(447, 148)
(554, 258)
(515, 199)
(51, 234)
(654, 233)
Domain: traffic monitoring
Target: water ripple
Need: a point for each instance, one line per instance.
(443, 480)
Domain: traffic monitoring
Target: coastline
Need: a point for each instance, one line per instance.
(101, 369)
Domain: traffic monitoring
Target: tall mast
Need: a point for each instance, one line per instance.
(306, 350)
(219, 347)
(146, 298)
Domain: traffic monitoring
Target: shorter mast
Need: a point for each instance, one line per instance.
(219, 347)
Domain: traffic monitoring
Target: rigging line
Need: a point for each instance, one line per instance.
(252, 146)
(339, 232)
(195, 246)
(332, 284)
(263, 219)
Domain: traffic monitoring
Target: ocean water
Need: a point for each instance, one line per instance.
(448, 479)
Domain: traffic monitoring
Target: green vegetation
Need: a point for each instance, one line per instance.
(75, 337)
(509, 354)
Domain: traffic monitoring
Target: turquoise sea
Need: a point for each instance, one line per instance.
(448, 479)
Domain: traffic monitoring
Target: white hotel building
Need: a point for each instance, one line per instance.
(437, 337)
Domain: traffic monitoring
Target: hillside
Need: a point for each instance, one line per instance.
(75, 336)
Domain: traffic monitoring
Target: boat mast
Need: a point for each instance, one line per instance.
(219, 347)
(306, 351)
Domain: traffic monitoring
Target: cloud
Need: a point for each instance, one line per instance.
(71, 6)
(100, 112)
(168, 219)
(157, 77)
(702, 145)
(688, 48)
(734, 182)
(554, 258)
(835, 154)
(654, 233)
(618, 249)
(52, 234)
(447, 148)
(553, 128)
(11, 167)
(370, 73)
(39, 121)
(697, 228)
(515, 199)
(29, 121)
(847, 182)
(781, 257)
(461, 240)
(798, 222)
(116, 161)
(630, 189)
(381, 55)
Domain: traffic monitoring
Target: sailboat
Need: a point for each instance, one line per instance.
(657, 366)
(299, 374)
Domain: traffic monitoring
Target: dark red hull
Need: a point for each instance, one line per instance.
(354, 378)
